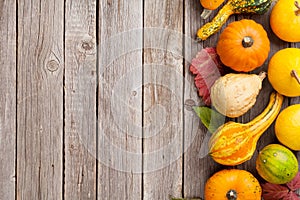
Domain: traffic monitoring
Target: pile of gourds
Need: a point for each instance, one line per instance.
(244, 46)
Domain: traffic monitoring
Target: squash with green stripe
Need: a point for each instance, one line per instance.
(230, 8)
(234, 143)
(277, 164)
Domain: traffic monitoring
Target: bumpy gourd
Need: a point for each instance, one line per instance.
(230, 8)
(234, 143)
(233, 95)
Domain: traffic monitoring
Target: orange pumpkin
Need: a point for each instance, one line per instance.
(209, 6)
(232, 184)
(243, 45)
(285, 20)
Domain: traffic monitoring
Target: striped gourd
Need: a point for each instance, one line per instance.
(277, 164)
(234, 143)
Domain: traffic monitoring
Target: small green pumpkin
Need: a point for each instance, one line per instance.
(276, 164)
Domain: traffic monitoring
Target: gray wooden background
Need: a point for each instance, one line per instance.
(96, 100)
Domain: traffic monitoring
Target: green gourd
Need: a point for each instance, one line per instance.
(277, 164)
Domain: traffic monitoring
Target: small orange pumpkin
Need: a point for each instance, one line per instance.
(243, 45)
(232, 184)
(209, 6)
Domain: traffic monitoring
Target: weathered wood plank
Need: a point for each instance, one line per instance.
(120, 100)
(163, 94)
(198, 166)
(7, 99)
(40, 99)
(80, 100)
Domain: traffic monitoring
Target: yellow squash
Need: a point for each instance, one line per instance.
(234, 143)
(285, 20)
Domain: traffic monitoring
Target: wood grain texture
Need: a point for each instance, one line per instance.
(40, 99)
(96, 100)
(80, 100)
(163, 93)
(7, 99)
(120, 100)
(198, 166)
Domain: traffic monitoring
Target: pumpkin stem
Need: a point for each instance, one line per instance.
(295, 75)
(297, 12)
(231, 195)
(205, 13)
(247, 41)
(262, 75)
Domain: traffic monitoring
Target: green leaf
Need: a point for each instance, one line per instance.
(211, 119)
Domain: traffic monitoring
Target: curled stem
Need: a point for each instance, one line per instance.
(295, 75)
(297, 12)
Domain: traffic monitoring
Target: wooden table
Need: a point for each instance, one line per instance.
(96, 100)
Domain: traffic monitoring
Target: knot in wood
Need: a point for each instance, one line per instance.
(189, 104)
(52, 65)
(87, 45)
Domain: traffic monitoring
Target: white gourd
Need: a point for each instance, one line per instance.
(234, 94)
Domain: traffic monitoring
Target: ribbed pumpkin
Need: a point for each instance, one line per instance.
(232, 184)
(276, 164)
(243, 45)
(234, 143)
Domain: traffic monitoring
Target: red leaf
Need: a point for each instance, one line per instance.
(295, 183)
(208, 68)
(274, 192)
(291, 196)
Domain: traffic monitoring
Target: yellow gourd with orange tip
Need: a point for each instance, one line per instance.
(234, 143)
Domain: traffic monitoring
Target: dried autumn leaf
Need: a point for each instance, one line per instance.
(295, 183)
(208, 68)
(291, 196)
(274, 191)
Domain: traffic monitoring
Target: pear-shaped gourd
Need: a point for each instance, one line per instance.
(234, 94)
